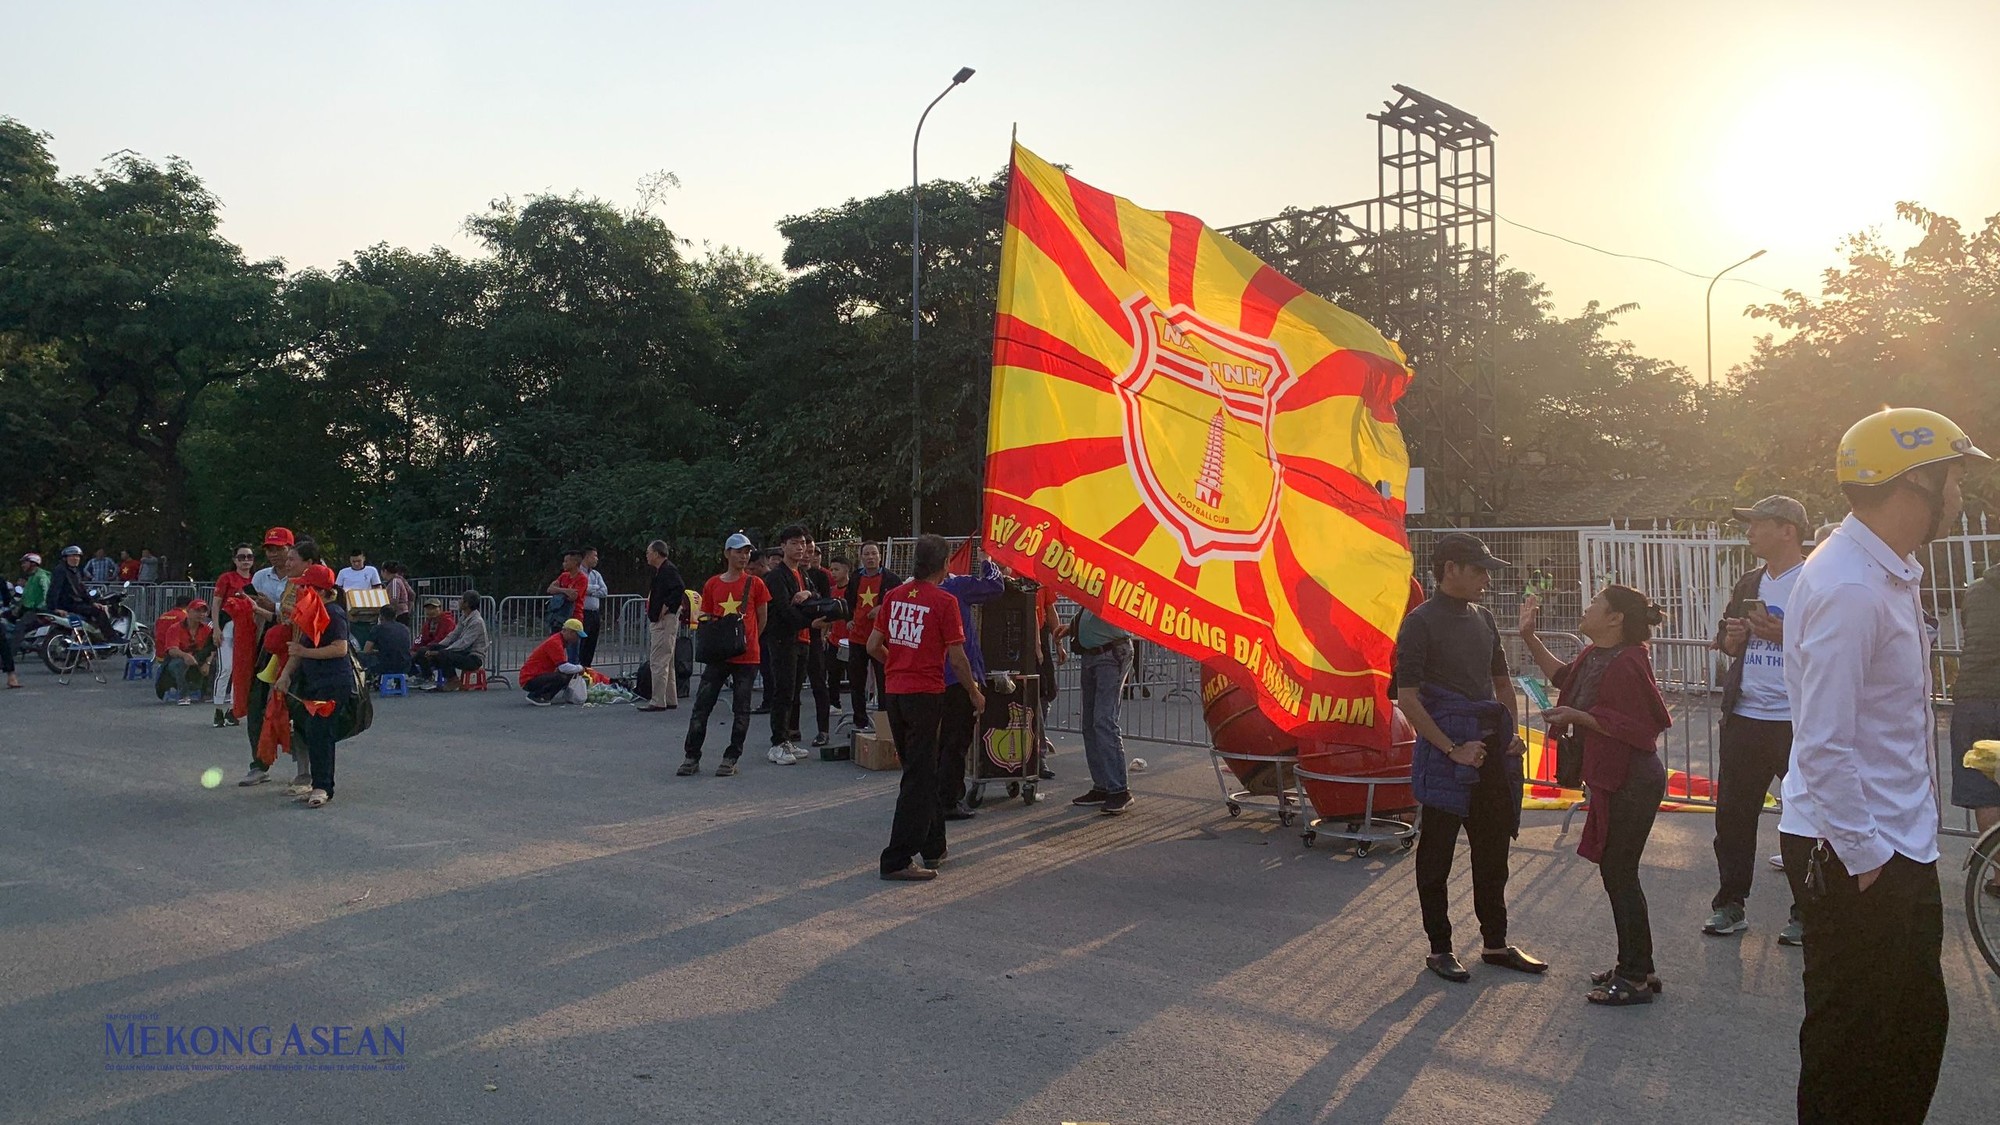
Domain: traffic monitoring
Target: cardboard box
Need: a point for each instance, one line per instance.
(876, 751)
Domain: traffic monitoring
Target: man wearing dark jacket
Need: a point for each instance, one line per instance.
(1453, 685)
(664, 599)
(785, 642)
(864, 594)
(68, 593)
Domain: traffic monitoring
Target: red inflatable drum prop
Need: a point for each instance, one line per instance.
(1334, 800)
(1236, 726)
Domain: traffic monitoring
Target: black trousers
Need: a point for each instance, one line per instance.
(1488, 829)
(742, 679)
(858, 662)
(317, 733)
(782, 686)
(919, 825)
(253, 719)
(586, 649)
(1631, 810)
(955, 731)
(1752, 753)
(428, 662)
(546, 686)
(1876, 1013)
(816, 674)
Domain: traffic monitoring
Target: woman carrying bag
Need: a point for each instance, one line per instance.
(1610, 702)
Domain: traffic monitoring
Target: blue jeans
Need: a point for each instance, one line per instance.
(1103, 746)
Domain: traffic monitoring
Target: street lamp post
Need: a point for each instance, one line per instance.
(916, 311)
(1709, 315)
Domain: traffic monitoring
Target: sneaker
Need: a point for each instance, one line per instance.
(298, 789)
(867, 730)
(800, 753)
(1096, 796)
(1778, 862)
(540, 702)
(185, 701)
(726, 769)
(819, 740)
(689, 768)
(779, 755)
(1725, 921)
(218, 717)
(230, 720)
(1794, 933)
(1117, 803)
(255, 777)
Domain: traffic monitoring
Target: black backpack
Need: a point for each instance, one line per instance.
(359, 714)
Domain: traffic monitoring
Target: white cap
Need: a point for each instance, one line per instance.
(32, 557)
(737, 542)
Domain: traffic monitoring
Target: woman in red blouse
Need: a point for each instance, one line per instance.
(1610, 702)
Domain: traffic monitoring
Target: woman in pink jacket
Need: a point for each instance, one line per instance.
(1610, 702)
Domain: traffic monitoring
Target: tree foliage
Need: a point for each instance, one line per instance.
(584, 376)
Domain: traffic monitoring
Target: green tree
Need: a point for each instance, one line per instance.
(1919, 328)
(134, 306)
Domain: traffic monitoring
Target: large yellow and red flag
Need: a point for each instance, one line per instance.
(1194, 447)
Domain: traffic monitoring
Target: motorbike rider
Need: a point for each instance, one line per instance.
(69, 594)
(34, 599)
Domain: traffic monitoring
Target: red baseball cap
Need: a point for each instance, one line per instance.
(198, 604)
(317, 576)
(278, 537)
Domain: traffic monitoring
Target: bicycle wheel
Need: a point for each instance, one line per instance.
(63, 653)
(1982, 910)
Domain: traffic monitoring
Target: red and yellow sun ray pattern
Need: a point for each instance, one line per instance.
(1196, 448)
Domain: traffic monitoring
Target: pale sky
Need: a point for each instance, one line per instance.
(1696, 132)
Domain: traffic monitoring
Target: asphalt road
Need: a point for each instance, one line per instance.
(564, 932)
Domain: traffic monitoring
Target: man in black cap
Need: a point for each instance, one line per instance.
(1755, 744)
(1454, 687)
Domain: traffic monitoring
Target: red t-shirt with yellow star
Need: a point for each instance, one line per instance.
(721, 597)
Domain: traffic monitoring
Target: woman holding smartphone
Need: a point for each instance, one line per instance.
(1609, 698)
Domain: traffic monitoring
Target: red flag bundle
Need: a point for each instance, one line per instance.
(960, 561)
(309, 616)
(244, 653)
(318, 708)
(276, 734)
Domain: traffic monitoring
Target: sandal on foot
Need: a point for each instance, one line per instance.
(1618, 992)
(317, 798)
(1609, 975)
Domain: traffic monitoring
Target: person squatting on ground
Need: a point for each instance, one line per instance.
(864, 595)
(460, 651)
(1453, 686)
(317, 680)
(917, 633)
(1106, 653)
(786, 635)
(271, 595)
(1860, 794)
(549, 675)
(665, 598)
(961, 719)
(231, 603)
(1755, 743)
(184, 645)
(1610, 702)
(733, 593)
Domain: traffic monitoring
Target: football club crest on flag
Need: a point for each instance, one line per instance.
(1198, 449)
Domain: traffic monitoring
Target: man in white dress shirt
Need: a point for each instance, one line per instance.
(1861, 794)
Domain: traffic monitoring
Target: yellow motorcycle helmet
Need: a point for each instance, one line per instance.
(1894, 440)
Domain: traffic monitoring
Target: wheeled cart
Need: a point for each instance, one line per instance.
(1007, 740)
(1286, 802)
(1368, 825)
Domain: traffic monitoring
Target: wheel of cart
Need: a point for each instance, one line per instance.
(1286, 802)
(1367, 828)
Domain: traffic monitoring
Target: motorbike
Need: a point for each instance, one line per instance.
(66, 641)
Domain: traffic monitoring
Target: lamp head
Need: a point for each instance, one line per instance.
(1756, 256)
(964, 73)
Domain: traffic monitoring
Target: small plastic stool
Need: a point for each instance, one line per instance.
(472, 680)
(394, 683)
(138, 667)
